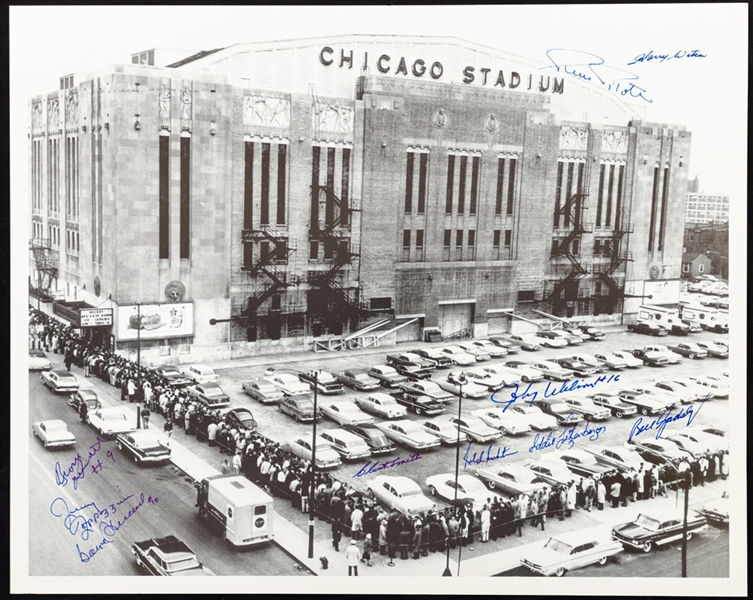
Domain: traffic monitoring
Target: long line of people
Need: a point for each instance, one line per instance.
(350, 512)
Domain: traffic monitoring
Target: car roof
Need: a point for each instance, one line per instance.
(143, 435)
(579, 537)
(53, 423)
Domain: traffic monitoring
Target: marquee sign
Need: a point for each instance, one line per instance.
(419, 67)
(95, 317)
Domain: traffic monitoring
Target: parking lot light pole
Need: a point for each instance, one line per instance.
(138, 365)
(461, 380)
(315, 376)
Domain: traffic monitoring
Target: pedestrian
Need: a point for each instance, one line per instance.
(589, 495)
(336, 535)
(486, 522)
(87, 365)
(83, 411)
(614, 493)
(145, 414)
(601, 494)
(356, 523)
(237, 463)
(68, 360)
(168, 428)
(367, 545)
(353, 555)
(131, 388)
(226, 468)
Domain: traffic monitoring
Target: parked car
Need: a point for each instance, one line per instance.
(559, 410)
(172, 377)
(552, 371)
(716, 511)
(582, 463)
(38, 360)
(693, 327)
(110, 421)
(262, 390)
(593, 333)
(200, 373)
(651, 359)
(692, 388)
(716, 387)
(579, 368)
(209, 394)
(59, 380)
(476, 428)
(647, 328)
(400, 493)
(673, 357)
(441, 360)
(656, 528)
(590, 361)
(587, 408)
(410, 358)
(689, 349)
(576, 333)
(512, 479)
(387, 376)
(409, 433)
(524, 371)
(572, 339)
(614, 363)
(324, 381)
(550, 470)
(715, 349)
(470, 389)
(614, 403)
(694, 447)
(488, 378)
(468, 489)
(326, 456)
(414, 372)
(419, 404)
(426, 388)
(445, 430)
(682, 394)
(53, 433)
(569, 551)
(627, 355)
(458, 356)
(526, 341)
(374, 438)
(479, 353)
(345, 413)
(358, 379)
(301, 408)
(76, 399)
(536, 418)
(659, 451)
(505, 421)
(491, 349)
(241, 419)
(143, 446)
(509, 345)
(618, 457)
(168, 556)
(348, 445)
(381, 405)
(549, 339)
(647, 404)
(288, 383)
(703, 438)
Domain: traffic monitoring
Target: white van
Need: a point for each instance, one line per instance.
(201, 374)
(348, 445)
(669, 318)
(707, 318)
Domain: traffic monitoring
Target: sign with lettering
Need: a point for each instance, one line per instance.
(95, 317)
(155, 321)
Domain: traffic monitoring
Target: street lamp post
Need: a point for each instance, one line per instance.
(138, 365)
(461, 380)
(684, 480)
(315, 375)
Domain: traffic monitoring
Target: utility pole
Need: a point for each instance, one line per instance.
(138, 364)
(461, 380)
(686, 485)
(315, 375)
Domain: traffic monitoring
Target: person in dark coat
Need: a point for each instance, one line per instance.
(83, 411)
(68, 361)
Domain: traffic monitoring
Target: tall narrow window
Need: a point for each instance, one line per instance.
(664, 201)
(282, 161)
(423, 173)
(315, 158)
(459, 238)
(406, 245)
(450, 183)
(610, 184)
(652, 217)
(185, 197)
(495, 244)
(409, 184)
(471, 244)
(314, 251)
(345, 189)
(474, 183)
(600, 199)
(569, 192)
(508, 238)
(461, 184)
(248, 200)
(558, 195)
(618, 207)
(329, 207)
(164, 196)
(446, 241)
(511, 186)
(419, 244)
(264, 212)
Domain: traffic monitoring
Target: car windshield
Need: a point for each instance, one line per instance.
(114, 417)
(558, 546)
(647, 523)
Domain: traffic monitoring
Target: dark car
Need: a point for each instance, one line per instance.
(89, 396)
(168, 556)
(421, 405)
(650, 358)
(442, 361)
(502, 342)
(374, 437)
(592, 332)
(325, 382)
(614, 403)
(171, 376)
(414, 372)
(578, 367)
(560, 411)
(301, 408)
(209, 394)
(240, 418)
(357, 379)
(645, 402)
(656, 529)
(647, 328)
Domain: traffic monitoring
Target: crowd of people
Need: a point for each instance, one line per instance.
(349, 511)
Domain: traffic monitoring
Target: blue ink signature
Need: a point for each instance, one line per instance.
(589, 67)
(649, 56)
(666, 417)
(486, 455)
(568, 436)
(551, 390)
(368, 470)
(77, 468)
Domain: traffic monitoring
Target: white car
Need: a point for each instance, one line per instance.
(381, 404)
(345, 413)
(626, 357)
(551, 370)
(710, 441)
(715, 349)
(401, 493)
(144, 446)
(458, 356)
(410, 434)
(505, 421)
(549, 339)
(536, 418)
(479, 353)
(491, 349)
(524, 371)
(526, 341)
(586, 407)
(716, 387)
(620, 457)
(699, 392)
(673, 357)
(612, 361)
(53, 432)
(505, 376)
(470, 389)
(38, 360)
(551, 470)
(475, 428)
(326, 456)
(491, 381)
(469, 489)
(59, 380)
(288, 384)
(200, 373)
(445, 430)
(110, 421)
(569, 551)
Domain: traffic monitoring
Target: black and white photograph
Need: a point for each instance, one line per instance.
(444, 298)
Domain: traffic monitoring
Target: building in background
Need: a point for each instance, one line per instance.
(703, 208)
(695, 264)
(300, 190)
(712, 240)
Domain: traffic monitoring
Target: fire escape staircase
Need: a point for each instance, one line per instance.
(618, 257)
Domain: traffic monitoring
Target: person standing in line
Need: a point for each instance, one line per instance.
(236, 463)
(486, 522)
(168, 427)
(601, 495)
(367, 545)
(590, 493)
(614, 493)
(68, 360)
(353, 555)
(83, 411)
(226, 468)
(145, 414)
(131, 385)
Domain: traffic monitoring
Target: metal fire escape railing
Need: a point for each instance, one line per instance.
(618, 256)
(41, 250)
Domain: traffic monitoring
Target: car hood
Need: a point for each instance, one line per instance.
(631, 531)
